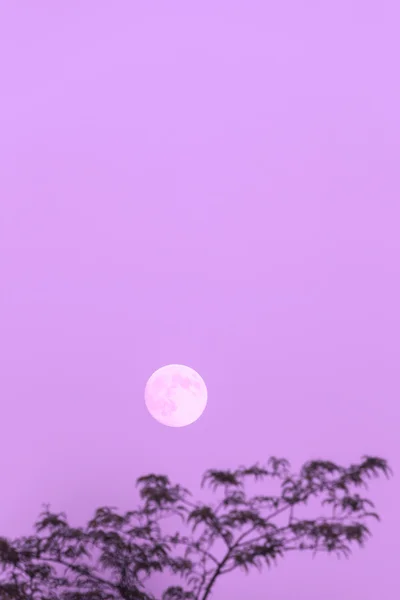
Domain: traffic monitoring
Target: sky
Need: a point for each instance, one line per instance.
(215, 184)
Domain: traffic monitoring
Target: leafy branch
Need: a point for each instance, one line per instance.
(115, 555)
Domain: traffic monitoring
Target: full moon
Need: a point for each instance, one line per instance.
(175, 395)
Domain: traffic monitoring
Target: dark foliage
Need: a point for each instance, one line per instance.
(113, 556)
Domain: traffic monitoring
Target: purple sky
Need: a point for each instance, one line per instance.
(211, 183)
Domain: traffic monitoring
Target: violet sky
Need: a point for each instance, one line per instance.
(210, 183)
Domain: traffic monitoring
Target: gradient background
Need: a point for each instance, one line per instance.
(212, 183)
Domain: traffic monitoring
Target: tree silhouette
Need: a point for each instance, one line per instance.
(113, 556)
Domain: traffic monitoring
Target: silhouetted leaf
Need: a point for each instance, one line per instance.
(216, 479)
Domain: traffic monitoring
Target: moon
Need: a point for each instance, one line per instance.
(175, 395)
